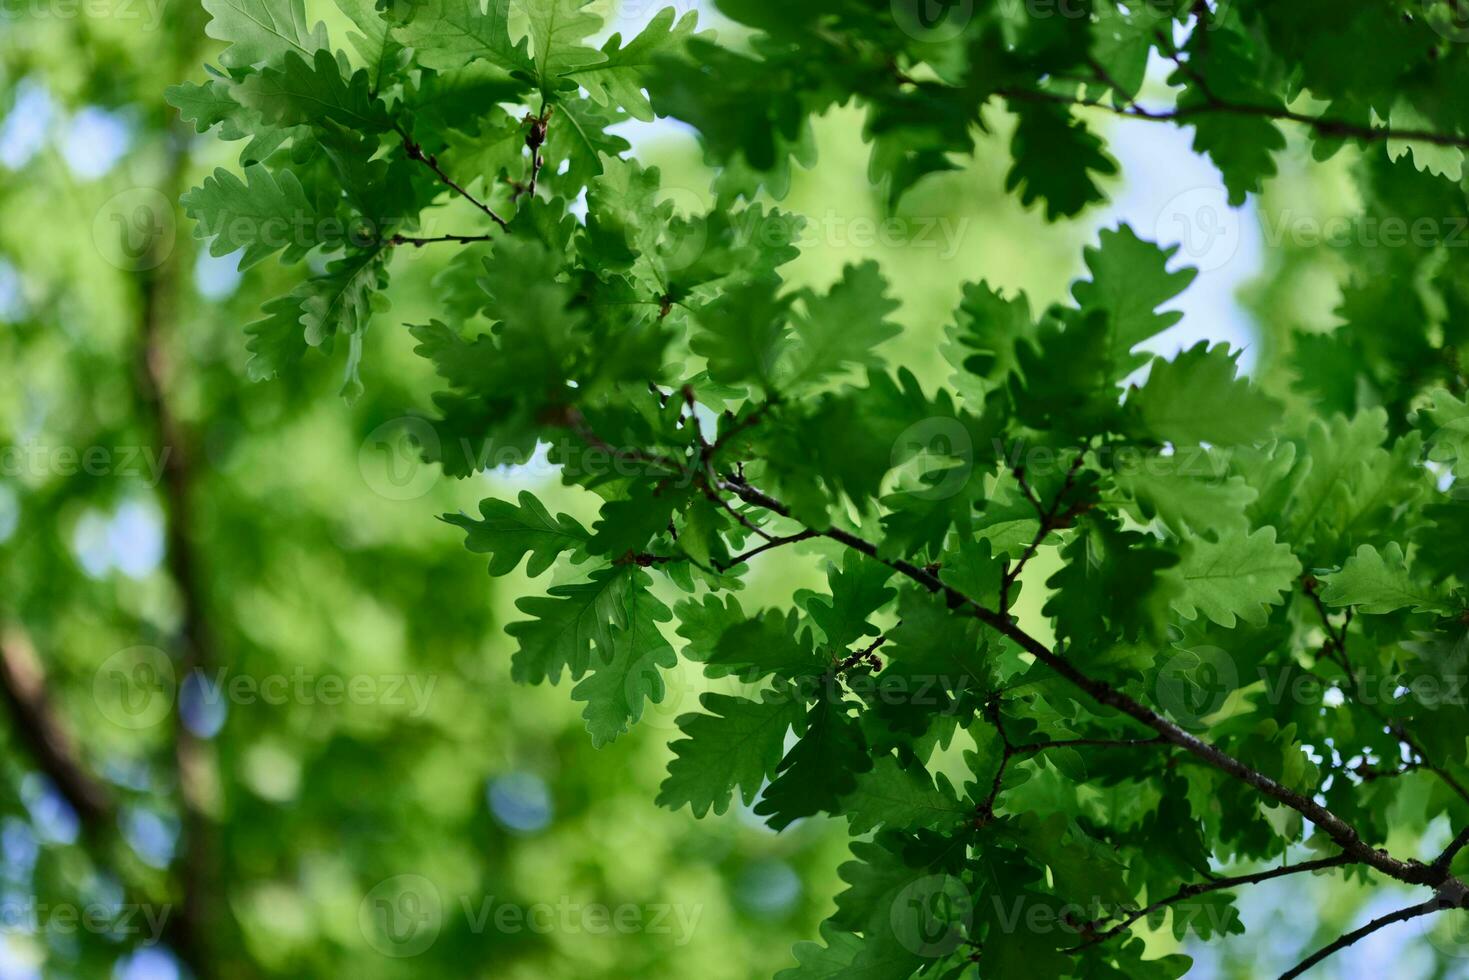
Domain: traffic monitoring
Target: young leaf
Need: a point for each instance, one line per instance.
(616, 687)
(618, 79)
(1380, 582)
(1055, 157)
(1130, 280)
(1239, 576)
(1196, 398)
(261, 31)
(735, 746)
(507, 533)
(841, 329)
(567, 623)
(449, 34)
(902, 797)
(819, 770)
(265, 213)
(314, 92)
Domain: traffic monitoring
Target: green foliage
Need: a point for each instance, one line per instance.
(1199, 527)
(507, 533)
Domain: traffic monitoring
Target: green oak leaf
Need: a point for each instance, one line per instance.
(1129, 280)
(1196, 398)
(1238, 577)
(1379, 581)
(736, 745)
(507, 533)
(616, 687)
(262, 31)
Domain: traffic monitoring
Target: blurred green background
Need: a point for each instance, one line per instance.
(285, 685)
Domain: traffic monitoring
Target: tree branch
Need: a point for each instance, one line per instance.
(1049, 521)
(415, 152)
(1456, 845)
(772, 543)
(1109, 743)
(1214, 885)
(1321, 125)
(1346, 836)
(456, 239)
(23, 685)
(1434, 904)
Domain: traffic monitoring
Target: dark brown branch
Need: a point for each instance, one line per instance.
(744, 521)
(456, 239)
(1346, 836)
(415, 152)
(23, 685)
(1050, 520)
(984, 811)
(1434, 904)
(1370, 774)
(1213, 885)
(1456, 845)
(867, 655)
(772, 543)
(1107, 743)
(1326, 127)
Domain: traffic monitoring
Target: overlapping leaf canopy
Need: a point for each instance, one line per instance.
(1208, 541)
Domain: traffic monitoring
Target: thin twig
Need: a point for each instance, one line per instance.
(534, 139)
(748, 524)
(772, 543)
(1325, 127)
(867, 655)
(1434, 904)
(1213, 885)
(420, 242)
(1049, 521)
(984, 811)
(1456, 845)
(1108, 743)
(415, 152)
